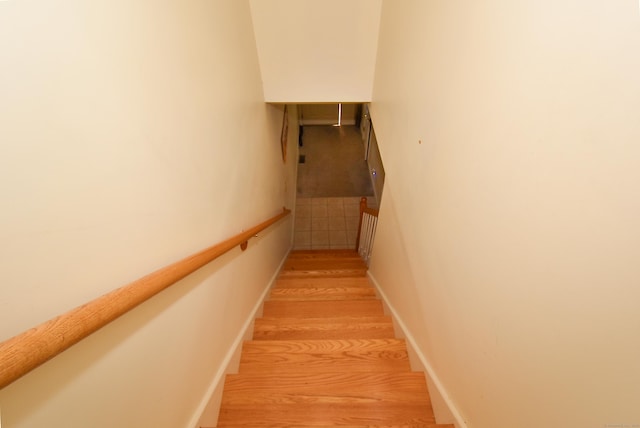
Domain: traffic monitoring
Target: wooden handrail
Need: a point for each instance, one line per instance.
(371, 211)
(364, 209)
(26, 351)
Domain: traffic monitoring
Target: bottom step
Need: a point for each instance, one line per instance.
(326, 399)
(354, 426)
(326, 414)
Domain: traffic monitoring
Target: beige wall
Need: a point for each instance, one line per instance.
(133, 134)
(316, 51)
(509, 238)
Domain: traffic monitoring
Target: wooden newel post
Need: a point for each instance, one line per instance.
(363, 206)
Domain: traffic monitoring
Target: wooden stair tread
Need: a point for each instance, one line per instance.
(322, 293)
(327, 387)
(325, 355)
(413, 425)
(322, 273)
(323, 253)
(322, 282)
(322, 308)
(345, 263)
(316, 264)
(284, 425)
(326, 398)
(321, 321)
(379, 327)
(356, 355)
(330, 414)
(323, 258)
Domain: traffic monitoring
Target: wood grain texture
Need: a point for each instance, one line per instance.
(324, 398)
(324, 264)
(332, 414)
(26, 351)
(323, 253)
(324, 355)
(322, 282)
(343, 255)
(320, 309)
(287, 425)
(274, 328)
(413, 425)
(323, 293)
(331, 387)
(364, 355)
(323, 273)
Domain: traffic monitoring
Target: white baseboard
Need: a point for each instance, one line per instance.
(326, 122)
(432, 377)
(210, 404)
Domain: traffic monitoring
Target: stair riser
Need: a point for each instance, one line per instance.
(327, 414)
(324, 346)
(323, 264)
(322, 309)
(324, 354)
(333, 273)
(322, 282)
(302, 365)
(297, 297)
(378, 332)
(323, 328)
(344, 252)
(413, 425)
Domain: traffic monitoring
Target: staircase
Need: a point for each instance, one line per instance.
(324, 354)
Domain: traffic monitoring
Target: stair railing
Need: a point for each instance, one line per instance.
(28, 350)
(366, 230)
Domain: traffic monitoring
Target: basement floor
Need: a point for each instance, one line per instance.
(334, 164)
(331, 181)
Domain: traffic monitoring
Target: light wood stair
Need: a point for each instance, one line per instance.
(324, 355)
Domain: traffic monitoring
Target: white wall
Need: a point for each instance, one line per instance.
(509, 239)
(132, 134)
(316, 51)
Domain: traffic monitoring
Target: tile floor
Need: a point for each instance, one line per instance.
(327, 223)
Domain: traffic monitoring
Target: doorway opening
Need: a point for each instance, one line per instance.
(335, 175)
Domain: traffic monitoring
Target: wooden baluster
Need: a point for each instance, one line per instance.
(363, 206)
